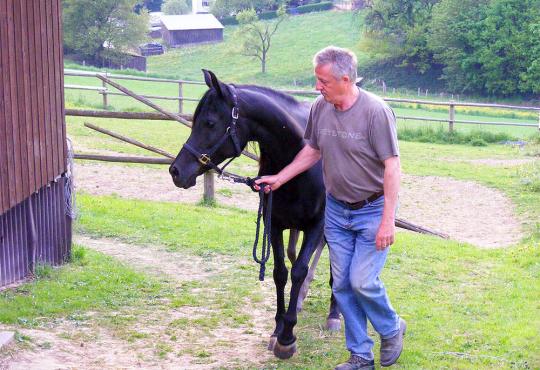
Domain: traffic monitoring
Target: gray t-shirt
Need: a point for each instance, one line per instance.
(353, 144)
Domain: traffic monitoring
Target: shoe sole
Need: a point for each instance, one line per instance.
(393, 361)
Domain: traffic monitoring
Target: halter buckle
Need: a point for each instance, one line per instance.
(234, 113)
(204, 159)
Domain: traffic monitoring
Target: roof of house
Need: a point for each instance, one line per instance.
(190, 22)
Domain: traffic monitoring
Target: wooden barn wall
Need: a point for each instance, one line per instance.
(32, 127)
(195, 36)
(35, 231)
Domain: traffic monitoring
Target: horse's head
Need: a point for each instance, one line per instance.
(215, 134)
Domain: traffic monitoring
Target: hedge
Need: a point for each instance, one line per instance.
(326, 5)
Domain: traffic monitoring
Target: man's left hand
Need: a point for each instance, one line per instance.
(385, 235)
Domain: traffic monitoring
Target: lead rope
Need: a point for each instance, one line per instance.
(266, 207)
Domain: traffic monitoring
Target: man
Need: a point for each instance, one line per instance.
(354, 132)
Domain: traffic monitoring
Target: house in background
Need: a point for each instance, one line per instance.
(201, 6)
(180, 30)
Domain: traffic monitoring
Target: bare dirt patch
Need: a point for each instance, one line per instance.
(158, 337)
(466, 211)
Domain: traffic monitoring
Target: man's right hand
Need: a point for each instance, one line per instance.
(273, 183)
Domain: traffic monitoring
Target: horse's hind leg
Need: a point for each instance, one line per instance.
(309, 278)
(291, 248)
(280, 279)
(333, 321)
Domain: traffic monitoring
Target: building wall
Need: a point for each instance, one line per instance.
(35, 226)
(32, 127)
(178, 38)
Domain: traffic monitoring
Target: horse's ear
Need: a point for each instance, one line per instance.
(213, 83)
(208, 75)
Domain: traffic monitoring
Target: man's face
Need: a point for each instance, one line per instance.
(331, 88)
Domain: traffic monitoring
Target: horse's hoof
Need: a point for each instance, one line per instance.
(272, 342)
(284, 352)
(333, 324)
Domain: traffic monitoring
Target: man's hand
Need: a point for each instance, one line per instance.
(273, 181)
(385, 235)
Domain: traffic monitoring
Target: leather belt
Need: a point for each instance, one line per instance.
(362, 203)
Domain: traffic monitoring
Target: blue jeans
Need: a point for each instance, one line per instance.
(356, 266)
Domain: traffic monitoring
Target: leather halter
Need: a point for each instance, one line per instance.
(206, 158)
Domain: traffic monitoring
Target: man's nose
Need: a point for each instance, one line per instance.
(318, 86)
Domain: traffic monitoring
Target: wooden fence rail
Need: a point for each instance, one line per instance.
(451, 121)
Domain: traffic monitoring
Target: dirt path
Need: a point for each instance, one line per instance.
(466, 211)
(67, 344)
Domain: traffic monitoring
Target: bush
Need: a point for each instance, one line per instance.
(443, 136)
(268, 15)
(228, 21)
(478, 142)
(317, 7)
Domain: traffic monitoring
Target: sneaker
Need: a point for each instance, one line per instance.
(391, 348)
(356, 363)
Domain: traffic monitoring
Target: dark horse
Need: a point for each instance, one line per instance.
(226, 119)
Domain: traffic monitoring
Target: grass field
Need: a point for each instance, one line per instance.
(466, 307)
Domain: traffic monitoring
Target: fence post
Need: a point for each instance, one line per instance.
(105, 102)
(539, 120)
(208, 196)
(180, 98)
(452, 116)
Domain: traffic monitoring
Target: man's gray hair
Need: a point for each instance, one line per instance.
(343, 61)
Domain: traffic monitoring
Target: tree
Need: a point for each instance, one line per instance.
(399, 28)
(226, 8)
(175, 7)
(256, 36)
(99, 30)
(488, 46)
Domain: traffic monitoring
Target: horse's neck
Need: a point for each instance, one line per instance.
(277, 132)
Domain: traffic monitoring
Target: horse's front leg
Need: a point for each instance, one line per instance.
(286, 341)
(280, 279)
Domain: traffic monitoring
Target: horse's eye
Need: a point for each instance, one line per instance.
(210, 123)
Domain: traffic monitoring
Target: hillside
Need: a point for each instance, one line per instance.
(289, 64)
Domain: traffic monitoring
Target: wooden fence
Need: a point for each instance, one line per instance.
(451, 120)
(183, 118)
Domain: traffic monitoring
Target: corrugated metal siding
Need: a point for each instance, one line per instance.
(32, 127)
(36, 231)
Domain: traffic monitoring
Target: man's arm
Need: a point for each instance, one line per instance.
(304, 160)
(387, 229)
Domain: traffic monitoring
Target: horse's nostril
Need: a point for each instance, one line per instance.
(173, 171)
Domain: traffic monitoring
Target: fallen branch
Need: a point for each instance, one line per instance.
(130, 140)
(418, 229)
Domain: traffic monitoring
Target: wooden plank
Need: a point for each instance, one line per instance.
(38, 52)
(49, 61)
(20, 102)
(46, 95)
(34, 101)
(15, 175)
(60, 90)
(4, 184)
(58, 70)
(25, 101)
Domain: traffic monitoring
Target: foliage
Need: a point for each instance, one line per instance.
(489, 46)
(316, 7)
(175, 7)
(151, 5)
(224, 8)
(256, 36)
(441, 135)
(400, 27)
(99, 30)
